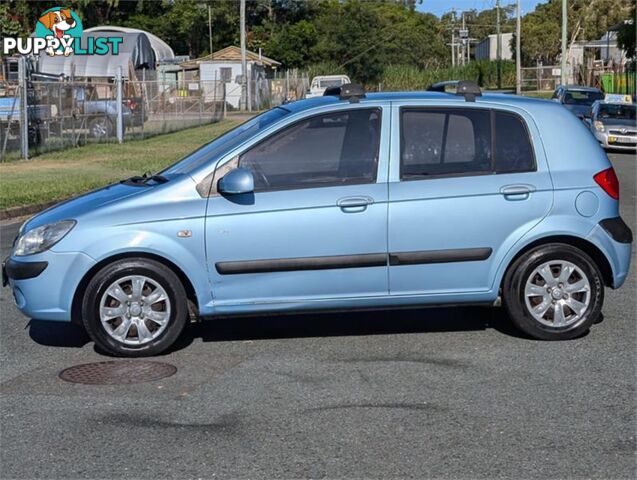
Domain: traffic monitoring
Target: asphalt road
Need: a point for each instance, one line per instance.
(444, 393)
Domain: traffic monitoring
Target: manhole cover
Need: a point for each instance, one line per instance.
(117, 372)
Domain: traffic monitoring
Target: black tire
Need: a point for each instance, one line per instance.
(154, 271)
(514, 296)
(100, 128)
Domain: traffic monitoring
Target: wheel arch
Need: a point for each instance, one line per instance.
(586, 246)
(76, 306)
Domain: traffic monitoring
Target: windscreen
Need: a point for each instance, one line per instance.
(580, 97)
(331, 83)
(617, 112)
(219, 146)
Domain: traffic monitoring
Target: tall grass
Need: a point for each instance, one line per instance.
(484, 72)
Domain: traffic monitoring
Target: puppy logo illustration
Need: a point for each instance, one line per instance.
(62, 24)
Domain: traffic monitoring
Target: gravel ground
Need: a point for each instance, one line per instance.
(444, 393)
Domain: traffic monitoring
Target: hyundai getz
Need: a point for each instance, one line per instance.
(345, 201)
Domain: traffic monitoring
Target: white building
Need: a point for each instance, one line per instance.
(605, 49)
(487, 49)
(224, 66)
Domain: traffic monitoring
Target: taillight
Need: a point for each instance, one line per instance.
(608, 181)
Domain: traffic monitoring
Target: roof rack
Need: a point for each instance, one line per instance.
(349, 91)
(466, 88)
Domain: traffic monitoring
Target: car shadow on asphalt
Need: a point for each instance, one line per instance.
(58, 334)
(371, 322)
(268, 327)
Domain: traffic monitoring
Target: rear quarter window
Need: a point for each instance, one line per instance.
(513, 149)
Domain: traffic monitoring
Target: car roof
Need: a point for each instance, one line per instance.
(418, 96)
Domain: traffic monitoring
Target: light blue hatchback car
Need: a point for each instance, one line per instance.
(345, 201)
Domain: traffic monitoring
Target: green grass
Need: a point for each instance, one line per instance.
(59, 175)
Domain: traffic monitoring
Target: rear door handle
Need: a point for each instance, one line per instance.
(517, 192)
(354, 204)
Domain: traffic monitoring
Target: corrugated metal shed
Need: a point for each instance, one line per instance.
(134, 50)
(162, 50)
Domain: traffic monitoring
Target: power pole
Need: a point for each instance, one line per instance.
(210, 27)
(244, 66)
(453, 40)
(499, 45)
(518, 53)
(464, 41)
(564, 41)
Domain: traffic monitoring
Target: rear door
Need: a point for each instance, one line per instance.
(465, 183)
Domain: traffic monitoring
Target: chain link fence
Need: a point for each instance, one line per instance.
(541, 78)
(59, 115)
(65, 114)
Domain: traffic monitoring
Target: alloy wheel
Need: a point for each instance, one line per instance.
(557, 294)
(135, 310)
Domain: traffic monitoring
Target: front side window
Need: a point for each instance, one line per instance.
(461, 141)
(445, 142)
(332, 149)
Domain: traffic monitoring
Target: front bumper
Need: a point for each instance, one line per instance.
(619, 142)
(43, 285)
(21, 270)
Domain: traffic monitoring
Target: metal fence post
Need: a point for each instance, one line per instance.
(215, 85)
(120, 112)
(224, 100)
(24, 118)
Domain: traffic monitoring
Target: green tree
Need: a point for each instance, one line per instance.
(293, 45)
(626, 36)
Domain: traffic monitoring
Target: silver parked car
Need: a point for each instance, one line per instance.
(614, 125)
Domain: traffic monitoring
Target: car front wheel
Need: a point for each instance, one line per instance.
(554, 292)
(134, 308)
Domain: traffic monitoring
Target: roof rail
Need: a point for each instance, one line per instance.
(466, 88)
(349, 91)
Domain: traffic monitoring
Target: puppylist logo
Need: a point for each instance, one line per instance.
(58, 31)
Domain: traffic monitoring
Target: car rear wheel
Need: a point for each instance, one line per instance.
(134, 308)
(554, 292)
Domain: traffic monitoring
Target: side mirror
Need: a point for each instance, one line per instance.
(236, 182)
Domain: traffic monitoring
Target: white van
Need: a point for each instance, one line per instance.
(322, 82)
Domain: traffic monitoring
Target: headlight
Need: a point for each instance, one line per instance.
(599, 126)
(42, 238)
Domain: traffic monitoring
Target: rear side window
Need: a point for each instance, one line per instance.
(513, 151)
(457, 141)
(445, 142)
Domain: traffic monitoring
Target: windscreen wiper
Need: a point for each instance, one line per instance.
(144, 179)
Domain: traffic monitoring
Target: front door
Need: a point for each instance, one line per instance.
(315, 227)
(466, 183)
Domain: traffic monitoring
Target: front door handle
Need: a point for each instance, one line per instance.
(354, 204)
(517, 192)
